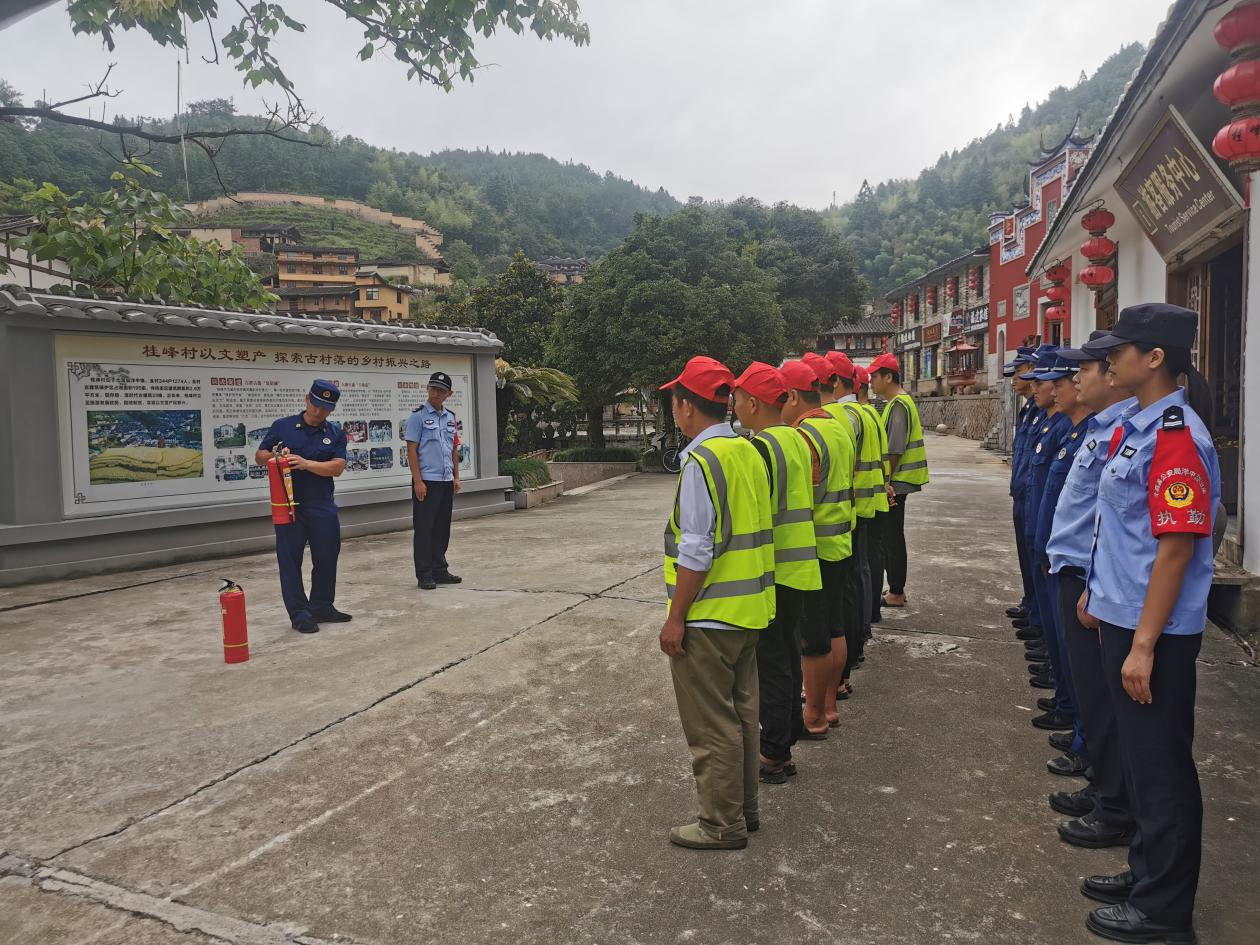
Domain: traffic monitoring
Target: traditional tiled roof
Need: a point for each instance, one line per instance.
(13, 224)
(311, 291)
(15, 301)
(339, 250)
(874, 325)
(983, 251)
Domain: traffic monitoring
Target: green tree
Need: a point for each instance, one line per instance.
(519, 306)
(120, 242)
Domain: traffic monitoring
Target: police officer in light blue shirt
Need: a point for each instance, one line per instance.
(316, 448)
(1101, 811)
(432, 435)
(1149, 575)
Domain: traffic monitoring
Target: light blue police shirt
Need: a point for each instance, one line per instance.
(1124, 545)
(1072, 534)
(434, 433)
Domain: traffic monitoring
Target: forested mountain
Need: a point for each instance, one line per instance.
(903, 228)
(495, 202)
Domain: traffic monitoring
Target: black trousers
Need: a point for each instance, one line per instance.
(875, 563)
(1157, 743)
(862, 542)
(779, 672)
(431, 525)
(1083, 651)
(859, 611)
(892, 547)
(1021, 550)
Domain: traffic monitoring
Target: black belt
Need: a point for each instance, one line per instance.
(1073, 572)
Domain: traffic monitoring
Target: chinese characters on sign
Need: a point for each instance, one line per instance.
(932, 333)
(148, 424)
(908, 339)
(1174, 190)
(976, 319)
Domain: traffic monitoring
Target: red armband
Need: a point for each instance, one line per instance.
(1180, 493)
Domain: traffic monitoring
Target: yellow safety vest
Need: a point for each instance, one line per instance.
(913, 468)
(834, 513)
(868, 472)
(792, 509)
(881, 502)
(739, 587)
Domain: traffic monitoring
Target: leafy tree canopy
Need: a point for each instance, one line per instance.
(519, 306)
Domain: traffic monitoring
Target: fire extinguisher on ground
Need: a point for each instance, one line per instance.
(235, 630)
(280, 478)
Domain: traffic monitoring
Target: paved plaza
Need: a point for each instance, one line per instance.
(501, 762)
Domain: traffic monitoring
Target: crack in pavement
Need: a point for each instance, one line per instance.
(183, 918)
(104, 590)
(261, 759)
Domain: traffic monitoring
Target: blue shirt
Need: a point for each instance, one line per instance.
(1071, 441)
(1072, 530)
(322, 443)
(433, 431)
(1046, 440)
(1029, 418)
(1132, 510)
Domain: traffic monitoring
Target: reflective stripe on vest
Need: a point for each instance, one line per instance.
(913, 468)
(834, 513)
(881, 500)
(738, 588)
(792, 509)
(868, 474)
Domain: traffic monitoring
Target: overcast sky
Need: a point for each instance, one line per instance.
(784, 100)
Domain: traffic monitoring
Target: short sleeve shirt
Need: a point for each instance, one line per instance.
(322, 443)
(435, 433)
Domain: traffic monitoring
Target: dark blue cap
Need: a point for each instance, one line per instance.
(1157, 324)
(1085, 352)
(441, 379)
(1008, 369)
(1049, 366)
(325, 394)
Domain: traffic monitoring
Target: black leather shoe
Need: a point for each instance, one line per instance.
(1069, 765)
(1042, 682)
(1029, 633)
(1036, 654)
(1035, 644)
(1074, 803)
(1047, 704)
(1090, 832)
(447, 578)
(306, 625)
(1108, 888)
(426, 583)
(1125, 923)
(1019, 623)
(1060, 741)
(1038, 669)
(1054, 721)
(333, 616)
(1016, 612)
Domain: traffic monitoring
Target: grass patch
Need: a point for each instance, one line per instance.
(323, 227)
(525, 473)
(594, 454)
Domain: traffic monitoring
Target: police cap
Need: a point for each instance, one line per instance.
(325, 394)
(1157, 324)
(441, 379)
(1085, 352)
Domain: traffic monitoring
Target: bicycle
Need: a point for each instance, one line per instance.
(669, 453)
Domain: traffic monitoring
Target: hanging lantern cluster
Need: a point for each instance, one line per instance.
(931, 296)
(951, 287)
(1057, 291)
(896, 313)
(1239, 87)
(914, 304)
(973, 278)
(1098, 249)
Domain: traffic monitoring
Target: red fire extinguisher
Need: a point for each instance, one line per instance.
(235, 631)
(280, 477)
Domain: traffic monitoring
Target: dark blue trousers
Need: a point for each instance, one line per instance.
(1157, 744)
(1096, 717)
(1065, 684)
(1029, 601)
(321, 529)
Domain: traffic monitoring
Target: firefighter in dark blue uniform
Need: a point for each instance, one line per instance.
(316, 448)
(1024, 362)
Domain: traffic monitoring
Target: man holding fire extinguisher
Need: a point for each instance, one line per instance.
(315, 451)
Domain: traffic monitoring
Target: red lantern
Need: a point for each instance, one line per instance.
(1096, 277)
(951, 287)
(1057, 293)
(914, 305)
(973, 278)
(896, 311)
(1056, 313)
(1239, 85)
(1097, 222)
(1239, 29)
(1239, 144)
(1059, 272)
(931, 295)
(1098, 248)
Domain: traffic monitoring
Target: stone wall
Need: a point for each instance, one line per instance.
(583, 474)
(967, 415)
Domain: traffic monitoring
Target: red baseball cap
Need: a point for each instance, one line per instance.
(841, 363)
(885, 362)
(798, 375)
(861, 375)
(703, 376)
(821, 366)
(762, 381)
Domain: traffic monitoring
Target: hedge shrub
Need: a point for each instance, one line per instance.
(593, 454)
(525, 473)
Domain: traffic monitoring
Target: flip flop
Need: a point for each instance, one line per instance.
(884, 602)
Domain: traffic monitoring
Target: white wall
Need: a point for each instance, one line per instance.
(1250, 483)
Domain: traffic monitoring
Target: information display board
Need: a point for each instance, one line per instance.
(149, 423)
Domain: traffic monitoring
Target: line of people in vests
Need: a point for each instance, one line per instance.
(1115, 488)
(776, 550)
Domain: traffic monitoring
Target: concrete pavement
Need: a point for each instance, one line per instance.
(501, 762)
